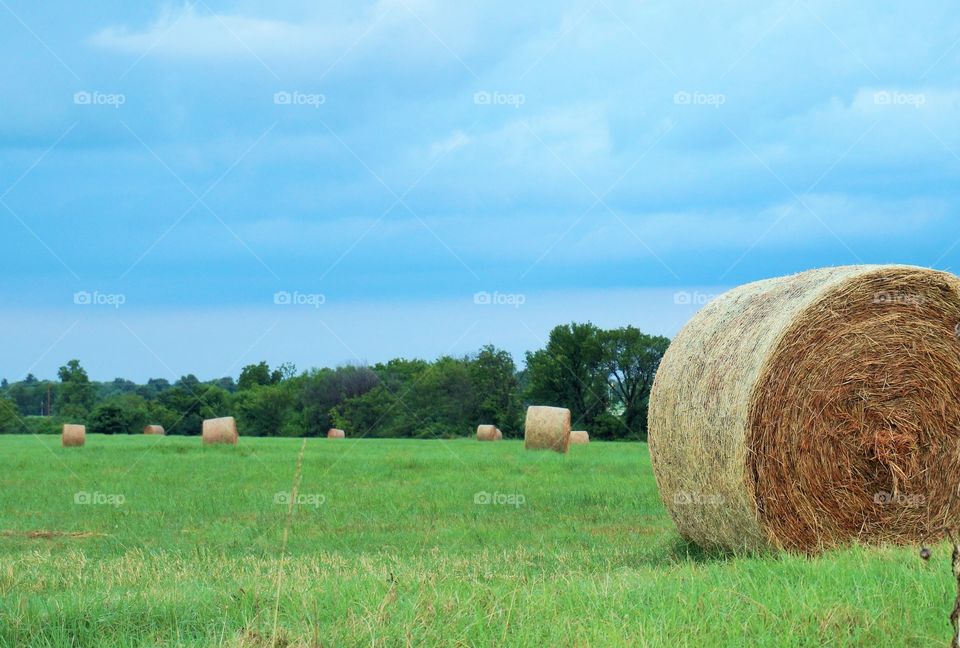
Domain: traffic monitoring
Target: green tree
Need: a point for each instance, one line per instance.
(116, 417)
(192, 402)
(257, 375)
(632, 358)
(267, 410)
(325, 389)
(441, 402)
(30, 395)
(493, 375)
(153, 388)
(570, 372)
(76, 394)
(9, 416)
(385, 410)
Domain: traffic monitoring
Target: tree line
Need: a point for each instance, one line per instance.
(602, 376)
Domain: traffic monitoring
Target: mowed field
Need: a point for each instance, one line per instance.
(157, 541)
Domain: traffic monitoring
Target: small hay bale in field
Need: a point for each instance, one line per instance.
(335, 433)
(220, 430)
(498, 436)
(73, 435)
(807, 411)
(579, 437)
(547, 428)
(154, 429)
(488, 433)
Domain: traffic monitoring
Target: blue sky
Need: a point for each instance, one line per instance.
(393, 159)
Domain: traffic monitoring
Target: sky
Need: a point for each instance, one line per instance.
(192, 187)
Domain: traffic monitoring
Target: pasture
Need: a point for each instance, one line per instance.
(157, 541)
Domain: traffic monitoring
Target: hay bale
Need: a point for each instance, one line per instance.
(154, 429)
(488, 433)
(335, 433)
(220, 430)
(73, 435)
(811, 410)
(547, 428)
(579, 437)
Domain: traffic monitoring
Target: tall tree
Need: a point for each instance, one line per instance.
(632, 358)
(323, 390)
(494, 377)
(76, 394)
(570, 372)
(256, 374)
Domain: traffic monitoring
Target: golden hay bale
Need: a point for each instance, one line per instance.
(154, 429)
(73, 435)
(220, 430)
(488, 433)
(805, 411)
(547, 428)
(334, 433)
(579, 437)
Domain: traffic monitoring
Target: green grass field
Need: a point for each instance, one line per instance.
(172, 543)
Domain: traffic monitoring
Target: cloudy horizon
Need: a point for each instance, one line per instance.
(329, 184)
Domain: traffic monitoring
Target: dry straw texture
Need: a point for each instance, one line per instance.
(488, 433)
(547, 428)
(579, 437)
(807, 411)
(498, 435)
(73, 435)
(220, 430)
(335, 433)
(154, 429)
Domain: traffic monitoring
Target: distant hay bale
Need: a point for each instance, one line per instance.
(220, 430)
(579, 437)
(547, 428)
(807, 411)
(335, 433)
(499, 435)
(488, 433)
(154, 429)
(73, 435)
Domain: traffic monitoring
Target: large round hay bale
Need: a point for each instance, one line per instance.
(488, 433)
(220, 430)
(335, 433)
(73, 435)
(547, 428)
(811, 410)
(579, 437)
(154, 429)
